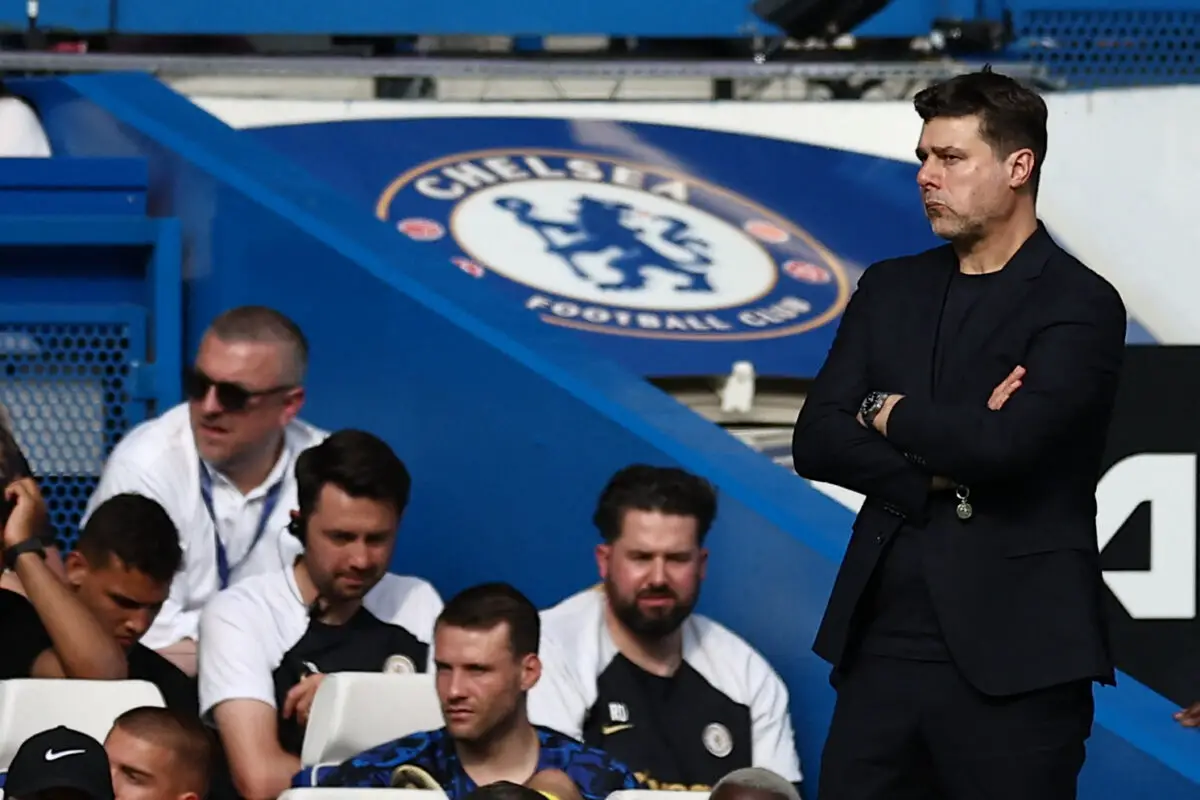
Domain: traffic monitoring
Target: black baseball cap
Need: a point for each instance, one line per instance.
(59, 758)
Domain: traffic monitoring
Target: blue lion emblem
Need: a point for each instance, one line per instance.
(603, 225)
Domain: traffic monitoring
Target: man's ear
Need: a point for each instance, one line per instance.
(76, 568)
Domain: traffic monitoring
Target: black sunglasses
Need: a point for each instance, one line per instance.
(231, 396)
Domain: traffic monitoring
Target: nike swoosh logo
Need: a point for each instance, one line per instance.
(53, 756)
(609, 730)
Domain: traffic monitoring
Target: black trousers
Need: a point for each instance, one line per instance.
(913, 730)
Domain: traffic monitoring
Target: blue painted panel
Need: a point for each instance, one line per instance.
(667, 18)
(63, 230)
(787, 226)
(13, 15)
(73, 186)
(76, 15)
(681, 18)
(511, 427)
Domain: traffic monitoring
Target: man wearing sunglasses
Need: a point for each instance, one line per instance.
(221, 464)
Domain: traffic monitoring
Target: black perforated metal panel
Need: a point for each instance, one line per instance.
(67, 388)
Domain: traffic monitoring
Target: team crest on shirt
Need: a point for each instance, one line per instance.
(602, 244)
(717, 740)
(399, 665)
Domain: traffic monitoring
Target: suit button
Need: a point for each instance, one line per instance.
(879, 538)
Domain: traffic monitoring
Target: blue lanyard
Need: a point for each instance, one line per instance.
(272, 497)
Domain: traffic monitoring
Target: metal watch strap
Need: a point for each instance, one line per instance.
(11, 554)
(871, 407)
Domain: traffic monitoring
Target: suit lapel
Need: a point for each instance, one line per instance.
(1000, 305)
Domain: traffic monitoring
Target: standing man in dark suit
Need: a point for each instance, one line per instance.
(967, 395)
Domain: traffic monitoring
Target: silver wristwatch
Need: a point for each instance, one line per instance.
(871, 406)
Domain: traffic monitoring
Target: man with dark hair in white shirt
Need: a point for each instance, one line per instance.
(269, 640)
(221, 465)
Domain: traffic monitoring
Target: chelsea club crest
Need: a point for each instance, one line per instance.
(606, 245)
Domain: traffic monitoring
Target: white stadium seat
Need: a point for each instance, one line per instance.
(360, 794)
(355, 711)
(646, 794)
(32, 706)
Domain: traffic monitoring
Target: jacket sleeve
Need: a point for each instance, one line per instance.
(1072, 369)
(830, 445)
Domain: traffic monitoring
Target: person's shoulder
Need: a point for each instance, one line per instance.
(576, 615)
(593, 769)
(146, 664)
(13, 602)
(251, 601)
(177, 688)
(303, 435)
(156, 441)
(17, 613)
(399, 751)
(1089, 284)
(574, 752)
(400, 594)
(900, 268)
(730, 650)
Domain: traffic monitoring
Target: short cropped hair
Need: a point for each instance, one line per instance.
(183, 734)
(359, 463)
(759, 779)
(136, 530)
(483, 607)
(504, 790)
(1011, 115)
(667, 490)
(262, 324)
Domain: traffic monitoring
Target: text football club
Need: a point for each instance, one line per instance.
(608, 245)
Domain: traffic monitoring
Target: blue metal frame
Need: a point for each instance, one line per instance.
(73, 314)
(528, 19)
(166, 287)
(84, 364)
(78, 231)
(159, 378)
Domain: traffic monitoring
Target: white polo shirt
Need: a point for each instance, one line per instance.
(158, 459)
(725, 708)
(257, 640)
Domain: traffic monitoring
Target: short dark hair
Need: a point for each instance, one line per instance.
(504, 790)
(1012, 116)
(668, 490)
(138, 531)
(263, 324)
(358, 463)
(483, 607)
(183, 734)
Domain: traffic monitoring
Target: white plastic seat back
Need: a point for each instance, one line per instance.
(31, 706)
(355, 711)
(318, 793)
(647, 794)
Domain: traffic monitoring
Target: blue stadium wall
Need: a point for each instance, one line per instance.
(510, 428)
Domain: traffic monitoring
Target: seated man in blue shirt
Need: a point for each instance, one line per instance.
(486, 656)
